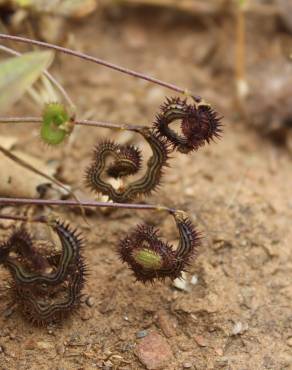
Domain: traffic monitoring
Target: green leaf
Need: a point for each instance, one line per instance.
(17, 74)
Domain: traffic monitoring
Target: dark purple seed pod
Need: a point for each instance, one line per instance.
(127, 161)
(198, 121)
(48, 291)
(148, 256)
(144, 185)
(151, 258)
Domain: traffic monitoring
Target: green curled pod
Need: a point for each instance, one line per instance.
(56, 124)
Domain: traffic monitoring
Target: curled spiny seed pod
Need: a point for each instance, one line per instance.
(21, 243)
(127, 160)
(56, 125)
(199, 124)
(142, 186)
(150, 258)
(46, 292)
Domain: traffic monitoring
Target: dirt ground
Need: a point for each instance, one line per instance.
(237, 315)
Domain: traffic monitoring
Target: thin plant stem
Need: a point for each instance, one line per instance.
(73, 203)
(49, 77)
(85, 122)
(31, 168)
(123, 126)
(102, 62)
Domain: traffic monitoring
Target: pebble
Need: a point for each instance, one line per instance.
(182, 283)
(166, 324)
(60, 349)
(200, 341)
(154, 351)
(142, 334)
(239, 328)
(8, 312)
(289, 342)
(29, 344)
(187, 365)
(194, 280)
(89, 301)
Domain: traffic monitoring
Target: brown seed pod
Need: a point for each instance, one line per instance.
(127, 160)
(50, 290)
(143, 186)
(151, 258)
(199, 124)
(21, 243)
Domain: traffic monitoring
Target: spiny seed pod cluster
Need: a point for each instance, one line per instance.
(47, 283)
(127, 161)
(46, 287)
(151, 258)
(199, 125)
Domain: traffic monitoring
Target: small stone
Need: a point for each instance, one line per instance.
(60, 349)
(142, 334)
(166, 324)
(200, 340)
(239, 328)
(8, 312)
(187, 365)
(154, 351)
(30, 344)
(181, 283)
(219, 351)
(189, 191)
(289, 342)
(89, 301)
(194, 280)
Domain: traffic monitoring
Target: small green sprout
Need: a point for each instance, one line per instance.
(56, 125)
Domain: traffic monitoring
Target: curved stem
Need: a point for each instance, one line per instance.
(102, 62)
(73, 203)
(84, 122)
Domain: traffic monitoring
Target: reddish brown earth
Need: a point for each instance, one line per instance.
(238, 314)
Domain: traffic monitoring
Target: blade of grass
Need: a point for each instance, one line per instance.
(17, 74)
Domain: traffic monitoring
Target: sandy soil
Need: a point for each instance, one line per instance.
(238, 314)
